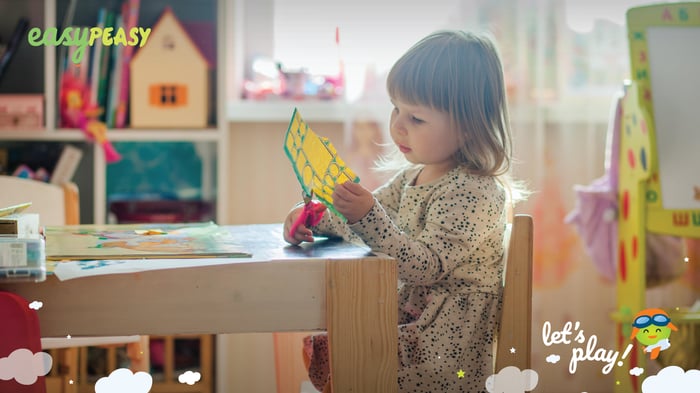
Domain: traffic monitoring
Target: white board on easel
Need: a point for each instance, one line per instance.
(674, 66)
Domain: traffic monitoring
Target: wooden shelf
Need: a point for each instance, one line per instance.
(281, 110)
(94, 170)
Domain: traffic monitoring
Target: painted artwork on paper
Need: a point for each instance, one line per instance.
(141, 241)
(315, 161)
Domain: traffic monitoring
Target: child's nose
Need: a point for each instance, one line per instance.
(397, 125)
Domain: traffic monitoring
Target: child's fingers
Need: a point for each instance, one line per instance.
(306, 234)
(352, 188)
(289, 237)
(302, 234)
(343, 193)
(288, 224)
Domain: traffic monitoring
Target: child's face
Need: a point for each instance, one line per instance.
(423, 135)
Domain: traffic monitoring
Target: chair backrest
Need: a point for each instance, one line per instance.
(56, 204)
(515, 331)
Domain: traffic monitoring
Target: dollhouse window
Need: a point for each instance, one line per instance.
(168, 95)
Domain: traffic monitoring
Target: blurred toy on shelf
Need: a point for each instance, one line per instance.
(271, 80)
(25, 172)
(267, 80)
(75, 112)
(73, 99)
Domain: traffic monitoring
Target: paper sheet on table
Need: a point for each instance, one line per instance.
(141, 241)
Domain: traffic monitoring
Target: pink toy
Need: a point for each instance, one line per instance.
(596, 215)
(76, 113)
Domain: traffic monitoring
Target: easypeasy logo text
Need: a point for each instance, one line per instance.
(82, 37)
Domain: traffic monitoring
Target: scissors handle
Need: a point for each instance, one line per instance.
(310, 216)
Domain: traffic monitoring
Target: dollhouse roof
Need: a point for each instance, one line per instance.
(199, 34)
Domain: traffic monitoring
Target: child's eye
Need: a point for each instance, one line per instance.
(417, 120)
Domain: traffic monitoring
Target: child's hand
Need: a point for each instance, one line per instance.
(302, 234)
(352, 200)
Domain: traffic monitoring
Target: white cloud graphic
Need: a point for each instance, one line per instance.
(672, 379)
(189, 377)
(35, 305)
(511, 380)
(24, 366)
(123, 380)
(637, 371)
(553, 358)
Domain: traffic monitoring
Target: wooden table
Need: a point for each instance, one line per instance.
(328, 285)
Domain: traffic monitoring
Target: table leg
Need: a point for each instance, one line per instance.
(362, 322)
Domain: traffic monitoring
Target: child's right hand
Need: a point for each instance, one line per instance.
(302, 233)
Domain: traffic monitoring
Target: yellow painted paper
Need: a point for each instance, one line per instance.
(315, 161)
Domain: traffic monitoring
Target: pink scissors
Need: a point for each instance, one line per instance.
(311, 214)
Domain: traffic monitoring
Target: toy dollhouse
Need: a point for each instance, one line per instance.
(170, 81)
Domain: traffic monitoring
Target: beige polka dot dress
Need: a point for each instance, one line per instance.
(447, 236)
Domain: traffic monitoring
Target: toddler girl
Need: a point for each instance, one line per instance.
(442, 216)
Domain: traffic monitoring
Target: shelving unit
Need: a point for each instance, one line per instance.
(93, 183)
(34, 70)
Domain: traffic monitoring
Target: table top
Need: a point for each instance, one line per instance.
(325, 285)
(265, 241)
(280, 288)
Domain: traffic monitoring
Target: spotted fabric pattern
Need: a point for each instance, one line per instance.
(447, 238)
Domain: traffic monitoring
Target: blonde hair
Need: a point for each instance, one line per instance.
(460, 74)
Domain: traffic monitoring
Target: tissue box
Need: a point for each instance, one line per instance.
(21, 224)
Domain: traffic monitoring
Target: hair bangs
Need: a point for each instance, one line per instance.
(421, 78)
(461, 74)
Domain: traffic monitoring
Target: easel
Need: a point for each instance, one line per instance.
(641, 207)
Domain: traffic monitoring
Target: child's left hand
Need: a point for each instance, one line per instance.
(352, 200)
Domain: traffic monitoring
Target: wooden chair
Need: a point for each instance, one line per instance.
(59, 205)
(515, 331)
(56, 204)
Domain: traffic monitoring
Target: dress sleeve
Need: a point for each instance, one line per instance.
(389, 194)
(457, 221)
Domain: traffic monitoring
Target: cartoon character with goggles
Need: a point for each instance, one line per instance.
(652, 327)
